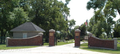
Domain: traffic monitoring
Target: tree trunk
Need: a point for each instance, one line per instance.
(1, 37)
(3, 24)
(4, 37)
(107, 36)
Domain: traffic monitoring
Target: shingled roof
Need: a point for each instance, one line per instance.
(28, 26)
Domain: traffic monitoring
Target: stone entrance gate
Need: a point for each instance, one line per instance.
(38, 39)
(52, 37)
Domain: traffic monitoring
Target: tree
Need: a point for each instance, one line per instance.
(105, 11)
(95, 4)
(116, 32)
(97, 29)
(52, 13)
(98, 4)
(83, 30)
(48, 14)
(71, 23)
(5, 7)
(108, 8)
(18, 16)
(91, 24)
(7, 16)
(76, 27)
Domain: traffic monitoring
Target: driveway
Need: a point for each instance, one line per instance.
(62, 49)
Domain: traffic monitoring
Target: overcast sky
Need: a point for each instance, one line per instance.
(79, 12)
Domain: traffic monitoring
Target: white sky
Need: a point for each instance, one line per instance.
(79, 12)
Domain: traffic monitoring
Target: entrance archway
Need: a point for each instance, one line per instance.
(52, 37)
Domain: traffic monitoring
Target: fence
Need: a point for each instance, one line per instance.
(32, 41)
(100, 43)
(2, 39)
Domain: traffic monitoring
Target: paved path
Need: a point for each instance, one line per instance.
(63, 49)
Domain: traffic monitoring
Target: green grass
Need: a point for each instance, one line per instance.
(62, 43)
(3, 47)
(119, 41)
(46, 44)
(85, 46)
(67, 42)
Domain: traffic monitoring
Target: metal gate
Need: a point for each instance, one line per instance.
(55, 38)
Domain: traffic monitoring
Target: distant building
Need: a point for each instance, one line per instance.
(26, 30)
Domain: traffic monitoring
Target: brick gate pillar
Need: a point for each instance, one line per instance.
(51, 37)
(77, 38)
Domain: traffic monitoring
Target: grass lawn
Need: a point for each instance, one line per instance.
(3, 47)
(46, 44)
(85, 46)
(62, 43)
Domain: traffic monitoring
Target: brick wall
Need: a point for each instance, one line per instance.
(32, 41)
(96, 42)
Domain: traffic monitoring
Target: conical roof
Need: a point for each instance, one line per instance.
(28, 27)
